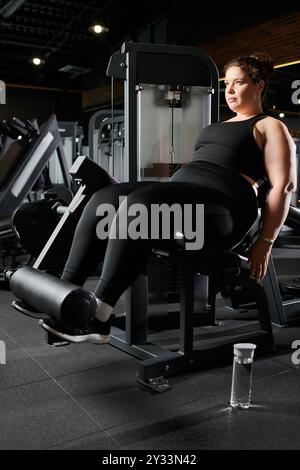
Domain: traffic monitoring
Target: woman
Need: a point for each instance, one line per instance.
(230, 158)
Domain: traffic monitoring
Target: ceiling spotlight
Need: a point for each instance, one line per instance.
(36, 61)
(281, 115)
(98, 29)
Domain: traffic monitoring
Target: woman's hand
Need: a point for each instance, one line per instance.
(258, 259)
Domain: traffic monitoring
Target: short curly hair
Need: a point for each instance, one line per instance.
(258, 66)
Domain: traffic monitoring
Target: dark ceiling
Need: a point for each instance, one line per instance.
(58, 32)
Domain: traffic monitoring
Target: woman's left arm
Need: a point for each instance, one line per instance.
(280, 163)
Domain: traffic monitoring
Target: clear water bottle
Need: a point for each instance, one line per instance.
(242, 375)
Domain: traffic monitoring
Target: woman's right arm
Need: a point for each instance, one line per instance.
(280, 162)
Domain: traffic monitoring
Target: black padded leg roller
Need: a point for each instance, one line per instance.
(61, 300)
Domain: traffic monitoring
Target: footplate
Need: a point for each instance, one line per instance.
(156, 384)
(290, 285)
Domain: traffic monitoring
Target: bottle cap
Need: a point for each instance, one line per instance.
(245, 350)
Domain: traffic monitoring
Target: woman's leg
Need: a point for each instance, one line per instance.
(126, 258)
(87, 250)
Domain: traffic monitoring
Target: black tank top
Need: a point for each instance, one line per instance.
(232, 145)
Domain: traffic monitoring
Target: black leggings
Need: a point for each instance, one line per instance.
(124, 259)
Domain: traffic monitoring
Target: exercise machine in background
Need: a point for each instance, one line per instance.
(26, 151)
(106, 141)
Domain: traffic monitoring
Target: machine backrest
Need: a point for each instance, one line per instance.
(10, 161)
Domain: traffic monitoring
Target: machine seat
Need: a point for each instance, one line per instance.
(208, 261)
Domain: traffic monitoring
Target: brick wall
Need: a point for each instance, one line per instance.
(102, 96)
(280, 37)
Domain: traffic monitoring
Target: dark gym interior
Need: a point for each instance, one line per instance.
(81, 110)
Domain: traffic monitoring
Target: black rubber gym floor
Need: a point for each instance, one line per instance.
(86, 397)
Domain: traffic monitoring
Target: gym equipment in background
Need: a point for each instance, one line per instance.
(24, 176)
(23, 163)
(106, 141)
(72, 138)
(170, 93)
